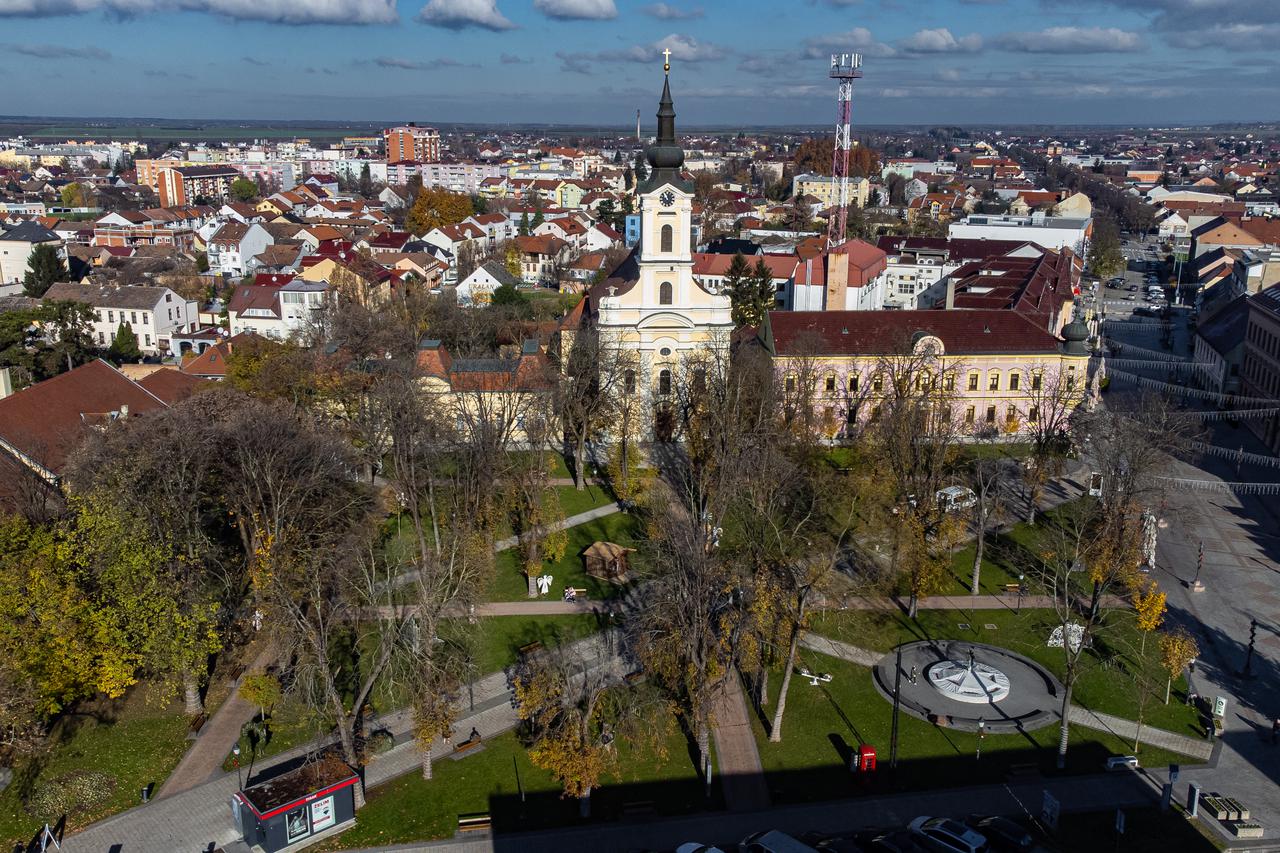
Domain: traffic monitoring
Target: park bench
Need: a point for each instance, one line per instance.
(1012, 588)
(638, 807)
(578, 593)
(195, 724)
(633, 678)
(478, 822)
(467, 746)
(530, 648)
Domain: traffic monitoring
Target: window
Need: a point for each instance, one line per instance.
(629, 381)
(1071, 377)
(664, 292)
(969, 415)
(111, 316)
(133, 317)
(853, 383)
(1033, 415)
(664, 382)
(1037, 379)
(875, 413)
(973, 380)
(101, 338)
(790, 383)
(830, 384)
(991, 414)
(993, 380)
(98, 315)
(1015, 379)
(949, 382)
(148, 337)
(667, 238)
(877, 383)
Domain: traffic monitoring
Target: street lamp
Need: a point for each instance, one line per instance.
(982, 732)
(1022, 587)
(235, 752)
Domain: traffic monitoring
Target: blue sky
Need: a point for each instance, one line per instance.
(594, 62)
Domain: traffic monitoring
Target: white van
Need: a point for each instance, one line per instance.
(954, 498)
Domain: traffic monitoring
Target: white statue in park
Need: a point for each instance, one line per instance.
(544, 584)
(1075, 634)
(1149, 532)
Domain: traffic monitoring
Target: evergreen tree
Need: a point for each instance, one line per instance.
(524, 224)
(538, 219)
(124, 348)
(641, 170)
(753, 295)
(738, 273)
(366, 181)
(44, 267)
(607, 212)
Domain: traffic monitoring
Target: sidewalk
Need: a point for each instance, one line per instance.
(571, 521)
(1126, 729)
(737, 757)
(203, 761)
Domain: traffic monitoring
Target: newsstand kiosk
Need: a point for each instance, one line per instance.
(294, 809)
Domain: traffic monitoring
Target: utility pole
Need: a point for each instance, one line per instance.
(897, 705)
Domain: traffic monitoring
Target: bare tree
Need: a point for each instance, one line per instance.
(595, 376)
(988, 473)
(1048, 401)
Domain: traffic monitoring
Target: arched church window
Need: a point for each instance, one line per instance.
(668, 236)
(664, 382)
(664, 289)
(629, 381)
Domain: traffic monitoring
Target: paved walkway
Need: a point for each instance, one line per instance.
(203, 761)
(1126, 729)
(1075, 794)
(737, 757)
(194, 819)
(838, 649)
(571, 521)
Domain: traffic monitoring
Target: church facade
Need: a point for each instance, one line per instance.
(652, 304)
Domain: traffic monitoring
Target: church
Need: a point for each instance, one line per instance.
(652, 303)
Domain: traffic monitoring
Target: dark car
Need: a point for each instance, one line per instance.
(1002, 833)
(897, 842)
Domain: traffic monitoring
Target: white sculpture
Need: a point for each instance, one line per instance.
(1074, 632)
(544, 584)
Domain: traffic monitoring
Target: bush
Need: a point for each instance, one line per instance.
(379, 741)
(75, 792)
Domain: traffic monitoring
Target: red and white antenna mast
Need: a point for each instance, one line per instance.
(845, 67)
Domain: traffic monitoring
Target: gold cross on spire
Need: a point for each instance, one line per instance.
(666, 60)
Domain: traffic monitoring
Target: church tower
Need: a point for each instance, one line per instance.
(652, 303)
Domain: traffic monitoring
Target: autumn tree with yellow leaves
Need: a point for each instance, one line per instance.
(1177, 650)
(436, 207)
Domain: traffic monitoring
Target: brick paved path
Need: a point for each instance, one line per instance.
(737, 757)
(203, 761)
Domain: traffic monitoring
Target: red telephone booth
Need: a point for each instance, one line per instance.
(866, 758)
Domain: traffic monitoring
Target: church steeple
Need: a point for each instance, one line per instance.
(665, 155)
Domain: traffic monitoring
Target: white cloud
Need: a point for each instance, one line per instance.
(278, 11)
(1072, 40)
(683, 49)
(460, 14)
(857, 39)
(1234, 36)
(570, 10)
(667, 12)
(941, 40)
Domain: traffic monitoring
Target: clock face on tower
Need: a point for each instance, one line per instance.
(668, 198)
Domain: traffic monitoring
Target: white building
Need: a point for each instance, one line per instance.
(16, 246)
(478, 288)
(153, 314)
(1051, 232)
(275, 306)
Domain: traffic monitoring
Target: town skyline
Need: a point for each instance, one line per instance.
(592, 63)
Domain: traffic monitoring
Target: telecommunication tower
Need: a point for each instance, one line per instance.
(845, 68)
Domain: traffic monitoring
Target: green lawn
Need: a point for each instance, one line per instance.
(290, 725)
(573, 502)
(621, 528)
(822, 724)
(1108, 683)
(132, 743)
(498, 639)
(491, 781)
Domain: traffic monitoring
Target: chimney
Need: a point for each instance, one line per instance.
(951, 292)
(837, 280)
(6, 383)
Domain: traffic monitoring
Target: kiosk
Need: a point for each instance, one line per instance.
(294, 809)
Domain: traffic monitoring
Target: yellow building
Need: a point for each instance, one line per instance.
(824, 189)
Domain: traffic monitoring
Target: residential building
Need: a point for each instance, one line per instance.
(183, 185)
(1219, 347)
(233, 248)
(478, 288)
(824, 189)
(16, 246)
(847, 277)
(1260, 372)
(410, 142)
(275, 306)
(487, 393)
(540, 258)
(916, 265)
(153, 314)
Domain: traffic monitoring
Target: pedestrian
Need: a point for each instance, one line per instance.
(912, 677)
(475, 735)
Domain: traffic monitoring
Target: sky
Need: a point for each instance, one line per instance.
(595, 62)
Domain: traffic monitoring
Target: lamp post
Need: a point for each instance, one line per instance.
(1022, 587)
(982, 732)
(235, 753)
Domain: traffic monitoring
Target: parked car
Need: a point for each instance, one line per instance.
(773, 841)
(695, 847)
(897, 842)
(947, 836)
(831, 843)
(1002, 833)
(954, 498)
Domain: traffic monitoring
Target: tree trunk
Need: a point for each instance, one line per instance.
(704, 751)
(426, 760)
(584, 805)
(762, 686)
(1064, 729)
(979, 546)
(1168, 687)
(775, 730)
(191, 695)
(912, 606)
(533, 584)
(579, 474)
